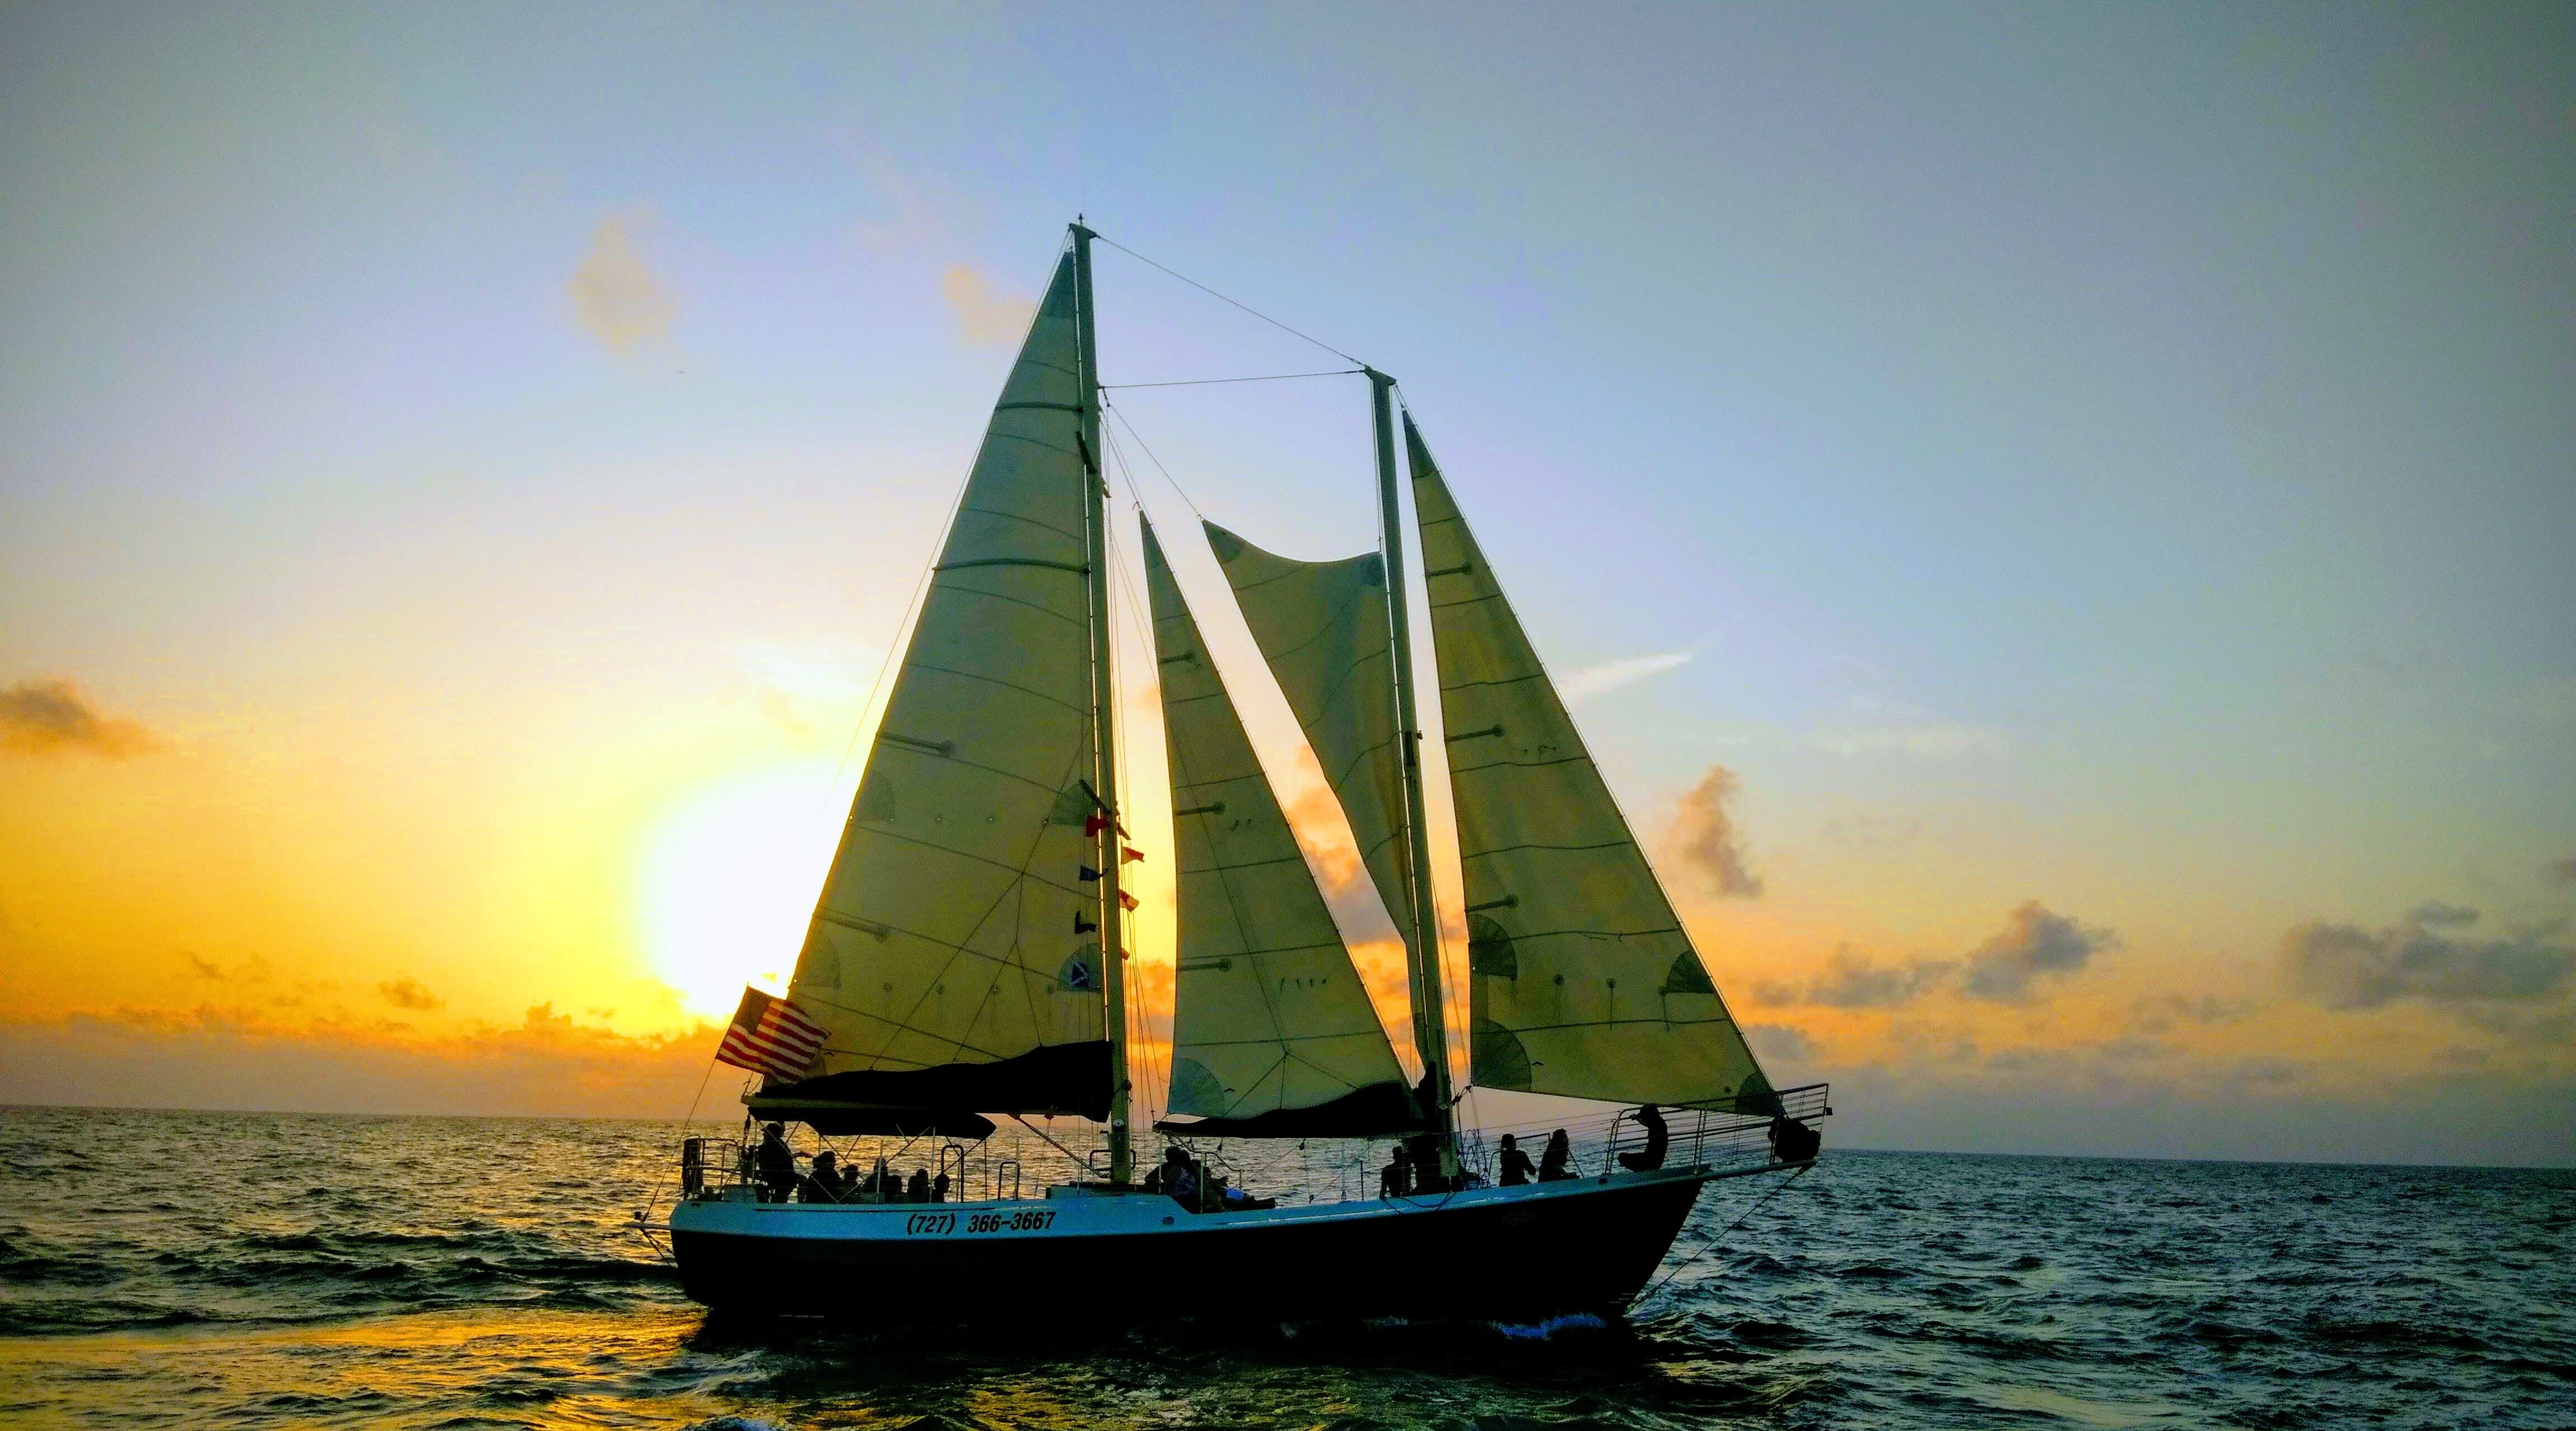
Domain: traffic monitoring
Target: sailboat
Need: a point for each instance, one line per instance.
(968, 956)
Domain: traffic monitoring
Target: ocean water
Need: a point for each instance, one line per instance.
(167, 1269)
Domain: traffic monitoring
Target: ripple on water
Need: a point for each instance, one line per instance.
(380, 1276)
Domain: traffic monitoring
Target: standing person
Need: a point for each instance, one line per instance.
(1517, 1167)
(1396, 1178)
(1651, 1156)
(1556, 1161)
(777, 1164)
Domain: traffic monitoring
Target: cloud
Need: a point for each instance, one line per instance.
(987, 317)
(1590, 681)
(2434, 914)
(1778, 1044)
(1709, 841)
(2034, 944)
(2155, 1016)
(218, 1058)
(1850, 982)
(409, 993)
(2342, 966)
(51, 716)
(615, 298)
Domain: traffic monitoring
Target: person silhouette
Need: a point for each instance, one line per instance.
(1556, 1161)
(1516, 1166)
(1651, 1156)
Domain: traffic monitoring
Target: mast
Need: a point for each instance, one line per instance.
(1430, 1020)
(1104, 707)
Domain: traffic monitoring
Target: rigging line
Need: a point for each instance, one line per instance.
(1260, 378)
(1174, 482)
(1713, 1243)
(1212, 293)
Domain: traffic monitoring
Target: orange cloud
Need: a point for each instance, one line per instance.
(215, 1057)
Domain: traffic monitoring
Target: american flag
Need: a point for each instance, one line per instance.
(769, 1035)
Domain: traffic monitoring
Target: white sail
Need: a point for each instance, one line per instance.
(1322, 627)
(1272, 1030)
(954, 956)
(1582, 981)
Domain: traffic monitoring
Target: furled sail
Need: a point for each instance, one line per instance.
(1272, 1031)
(955, 953)
(1581, 979)
(1322, 626)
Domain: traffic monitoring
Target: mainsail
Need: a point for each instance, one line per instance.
(1272, 1031)
(955, 955)
(1581, 979)
(1322, 627)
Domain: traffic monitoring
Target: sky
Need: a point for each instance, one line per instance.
(2056, 521)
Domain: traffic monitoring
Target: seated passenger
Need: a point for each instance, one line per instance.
(823, 1184)
(1236, 1200)
(917, 1190)
(1556, 1160)
(1793, 1141)
(1182, 1179)
(1516, 1165)
(1396, 1178)
(1651, 1156)
(939, 1187)
(882, 1184)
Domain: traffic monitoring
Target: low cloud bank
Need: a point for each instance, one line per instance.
(2429, 955)
(231, 1059)
(2036, 946)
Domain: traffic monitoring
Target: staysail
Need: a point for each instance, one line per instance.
(1322, 627)
(954, 956)
(1272, 1031)
(1582, 981)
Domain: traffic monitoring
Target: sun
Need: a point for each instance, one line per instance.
(726, 879)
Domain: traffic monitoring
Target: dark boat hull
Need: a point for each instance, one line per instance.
(1506, 1254)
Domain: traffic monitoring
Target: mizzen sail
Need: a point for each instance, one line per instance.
(954, 957)
(1582, 981)
(1272, 1031)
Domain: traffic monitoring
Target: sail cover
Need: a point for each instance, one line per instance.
(1581, 979)
(1272, 1030)
(954, 957)
(1323, 628)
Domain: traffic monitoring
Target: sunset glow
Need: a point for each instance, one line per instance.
(724, 882)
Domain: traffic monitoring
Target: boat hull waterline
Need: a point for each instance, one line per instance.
(1506, 1254)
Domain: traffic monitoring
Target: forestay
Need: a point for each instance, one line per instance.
(954, 955)
(1582, 981)
(1272, 1030)
(1322, 627)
